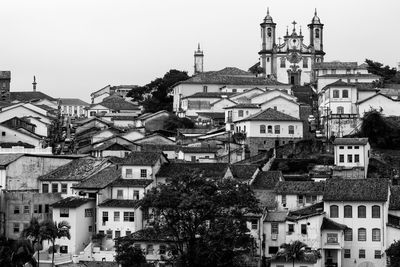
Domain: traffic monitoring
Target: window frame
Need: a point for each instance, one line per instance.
(375, 211)
(143, 173)
(129, 216)
(291, 129)
(263, 129)
(333, 211)
(376, 234)
(361, 254)
(348, 234)
(361, 211)
(362, 234)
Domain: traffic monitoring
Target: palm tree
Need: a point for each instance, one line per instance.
(293, 252)
(34, 232)
(59, 230)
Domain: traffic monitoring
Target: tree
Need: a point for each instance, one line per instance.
(52, 231)
(16, 253)
(127, 253)
(206, 218)
(34, 231)
(174, 122)
(296, 251)
(387, 73)
(393, 252)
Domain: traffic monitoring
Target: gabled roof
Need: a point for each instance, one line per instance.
(373, 96)
(279, 96)
(328, 224)
(356, 190)
(6, 159)
(116, 102)
(269, 115)
(335, 65)
(71, 202)
(394, 203)
(171, 170)
(142, 183)
(149, 115)
(300, 187)
(120, 203)
(27, 96)
(100, 179)
(307, 212)
(73, 102)
(247, 91)
(244, 171)
(351, 141)
(141, 158)
(266, 180)
(209, 95)
(276, 216)
(198, 149)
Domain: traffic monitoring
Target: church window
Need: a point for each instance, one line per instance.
(269, 32)
(317, 33)
(335, 93)
(340, 110)
(283, 62)
(305, 62)
(345, 94)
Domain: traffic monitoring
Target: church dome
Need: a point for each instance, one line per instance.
(268, 18)
(315, 19)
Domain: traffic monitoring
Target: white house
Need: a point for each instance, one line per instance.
(282, 104)
(239, 112)
(380, 102)
(9, 135)
(74, 107)
(197, 153)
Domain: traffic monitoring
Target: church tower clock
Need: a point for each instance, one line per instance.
(268, 44)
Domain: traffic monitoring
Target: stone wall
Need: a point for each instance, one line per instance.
(257, 145)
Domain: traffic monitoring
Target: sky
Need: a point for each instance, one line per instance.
(75, 47)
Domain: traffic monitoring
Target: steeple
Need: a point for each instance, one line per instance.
(198, 60)
(34, 83)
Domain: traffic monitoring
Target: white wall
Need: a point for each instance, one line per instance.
(10, 135)
(253, 128)
(283, 105)
(21, 111)
(259, 99)
(389, 107)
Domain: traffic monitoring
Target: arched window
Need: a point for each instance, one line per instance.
(334, 211)
(376, 211)
(362, 211)
(362, 234)
(317, 33)
(269, 32)
(262, 129)
(277, 129)
(376, 234)
(348, 234)
(348, 211)
(340, 110)
(269, 128)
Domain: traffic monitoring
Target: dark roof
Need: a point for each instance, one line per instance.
(353, 75)
(300, 187)
(27, 96)
(356, 190)
(73, 101)
(328, 224)
(120, 203)
(116, 102)
(209, 95)
(141, 158)
(132, 183)
(335, 65)
(307, 212)
(243, 171)
(212, 115)
(198, 149)
(338, 83)
(71, 202)
(159, 148)
(276, 216)
(100, 179)
(351, 141)
(19, 143)
(206, 169)
(150, 234)
(266, 180)
(76, 170)
(193, 131)
(366, 87)
(394, 203)
(5, 74)
(270, 115)
(244, 105)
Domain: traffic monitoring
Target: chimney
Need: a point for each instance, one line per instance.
(34, 83)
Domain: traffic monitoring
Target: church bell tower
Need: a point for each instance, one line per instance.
(198, 60)
(267, 44)
(316, 37)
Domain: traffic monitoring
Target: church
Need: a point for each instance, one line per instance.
(291, 60)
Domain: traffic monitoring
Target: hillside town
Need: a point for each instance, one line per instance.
(304, 151)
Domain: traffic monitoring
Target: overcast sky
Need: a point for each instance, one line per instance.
(75, 47)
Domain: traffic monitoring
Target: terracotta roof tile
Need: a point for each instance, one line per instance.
(120, 203)
(26, 96)
(300, 187)
(243, 171)
(351, 141)
(270, 115)
(143, 183)
(266, 180)
(206, 169)
(71, 202)
(100, 179)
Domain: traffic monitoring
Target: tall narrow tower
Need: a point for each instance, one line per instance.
(316, 37)
(34, 83)
(198, 60)
(267, 44)
(5, 79)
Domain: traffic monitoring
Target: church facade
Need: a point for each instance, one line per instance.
(290, 60)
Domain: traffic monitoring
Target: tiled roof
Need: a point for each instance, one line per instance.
(116, 102)
(244, 105)
(366, 87)
(270, 115)
(335, 65)
(193, 131)
(100, 179)
(312, 210)
(206, 169)
(26, 96)
(233, 71)
(366, 75)
(328, 224)
(394, 203)
(120, 203)
(149, 115)
(141, 158)
(76, 170)
(351, 141)
(73, 102)
(276, 216)
(339, 83)
(71, 202)
(132, 183)
(296, 187)
(243, 171)
(208, 95)
(150, 234)
(356, 190)
(198, 149)
(266, 180)
(6, 159)
(19, 143)
(159, 148)
(212, 115)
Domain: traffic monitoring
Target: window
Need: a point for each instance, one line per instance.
(277, 129)
(117, 234)
(150, 249)
(316, 33)
(269, 32)
(334, 211)
(347, 253)
(88, 212)
(109, 234)
(362, 234)
(254, 224)
(283, 62)
(356, 158)
(205, 89)
(361, 253)
(291, 228)
(54, 188)
(269, 128)
(378, 254)
(143, 173)
(46, 208)
(262, 129)
(341, 147)
(27, 209)
(116, 216)
(3, 133)
(340, 110)
(35, 208)
(135, 194)
(193, 158)
(300, 199)
(356, 147)
(129, 216)
(345, 93)
(90, 228)
(105, 216)
(273, 250)
(348, 211)
(350, 158)
(244, 128)
(128, 233)
(376, 211)
(376, 234)
(341, 158)
(335, 93)
(128, 173)
(16, 228)
(332, 238)
(64, 212)
(45, 188)
(64, 188)
(291, 129)
(274, 228)
(362, 212)
(348, 234)
(305, 62)
(64, 249)
(304, 229)
(16, 209)
(240, 114)
(120, 194)
(284, 200)
(40, 208)
(163, 249)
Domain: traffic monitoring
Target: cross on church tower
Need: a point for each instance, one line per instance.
(294, 26)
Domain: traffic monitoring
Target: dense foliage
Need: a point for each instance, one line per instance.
(297, 251)
(155, 96)
(388, 74)
(127, 254)
(205, 218)
(16, 253)
(393, 252)
(174, 122)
